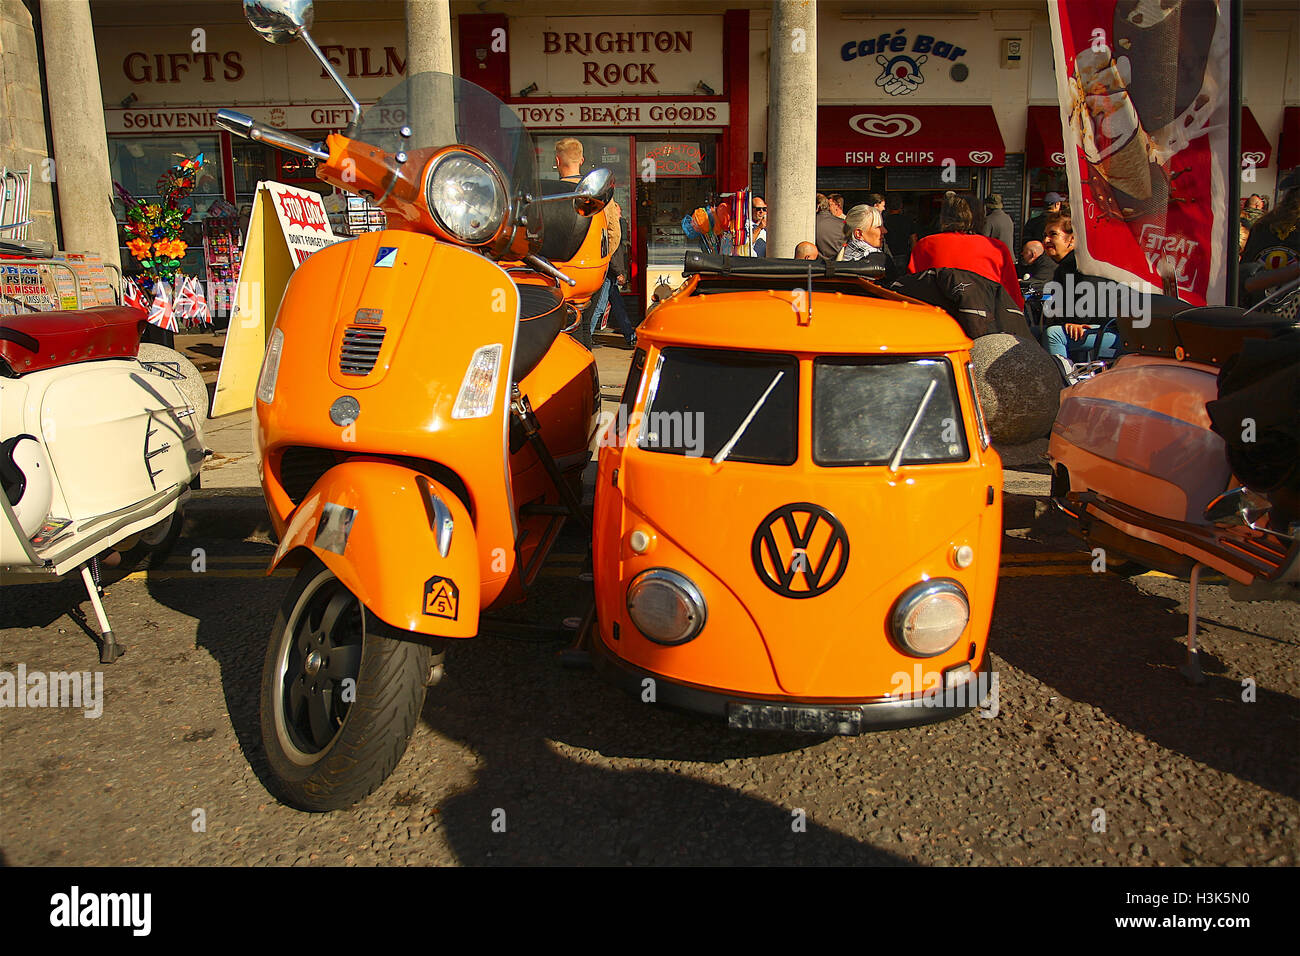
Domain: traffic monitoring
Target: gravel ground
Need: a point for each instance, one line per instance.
(1093, 716)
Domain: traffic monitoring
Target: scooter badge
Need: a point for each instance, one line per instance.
(441, 597)
(387, 257)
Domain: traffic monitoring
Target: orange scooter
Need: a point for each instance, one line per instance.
(422, 422)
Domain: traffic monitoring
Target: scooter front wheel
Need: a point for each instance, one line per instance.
(340, 697)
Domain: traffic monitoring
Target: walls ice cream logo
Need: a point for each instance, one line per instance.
(886, 125)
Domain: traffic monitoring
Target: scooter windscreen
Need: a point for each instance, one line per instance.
(433, 110)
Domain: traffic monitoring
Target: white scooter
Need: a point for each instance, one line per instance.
(97, 448)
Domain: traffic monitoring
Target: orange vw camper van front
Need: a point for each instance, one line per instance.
(798, 517)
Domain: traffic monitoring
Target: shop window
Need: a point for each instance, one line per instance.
(137, 162)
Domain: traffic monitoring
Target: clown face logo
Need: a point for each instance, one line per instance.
(900, 75)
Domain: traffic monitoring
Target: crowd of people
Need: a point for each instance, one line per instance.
(973, 235)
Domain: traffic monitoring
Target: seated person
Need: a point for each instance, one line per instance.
(1068, 340)
(955, 247)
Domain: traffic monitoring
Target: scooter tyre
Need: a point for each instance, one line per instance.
(376, 727)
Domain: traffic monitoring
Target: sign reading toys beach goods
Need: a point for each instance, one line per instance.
(606, 115)
(1145, 107)
(616, 56)
(287, 225)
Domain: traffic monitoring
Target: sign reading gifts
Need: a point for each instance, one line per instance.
(603, 56)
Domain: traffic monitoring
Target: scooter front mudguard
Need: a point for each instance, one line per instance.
(400, 541)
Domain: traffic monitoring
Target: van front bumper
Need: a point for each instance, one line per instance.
(801, 715)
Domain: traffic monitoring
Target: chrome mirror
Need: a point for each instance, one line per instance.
(283, 21)
(1236, 508)
(279, 21)
(594, 192)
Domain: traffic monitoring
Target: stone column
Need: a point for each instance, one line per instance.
(428, 49)
(792, 127)
(83, 183)
(23, 141)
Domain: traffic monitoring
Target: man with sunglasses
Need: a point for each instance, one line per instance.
(758, 228)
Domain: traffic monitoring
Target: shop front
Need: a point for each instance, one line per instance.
(661, 101)
(910, 155)
(912, 108)
(163, 87)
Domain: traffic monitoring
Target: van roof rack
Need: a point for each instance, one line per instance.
(709, 264)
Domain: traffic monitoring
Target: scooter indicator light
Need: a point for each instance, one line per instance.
(638, 541)
(478, 391)
(964, 556)
(270, 368)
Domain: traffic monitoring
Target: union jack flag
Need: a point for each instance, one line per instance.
(191, 303)
(133, 297)
(161, 313)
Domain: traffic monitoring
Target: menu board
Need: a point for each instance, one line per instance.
(928, 178)
(1009, 182)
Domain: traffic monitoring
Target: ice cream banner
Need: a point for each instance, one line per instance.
(1144, 93)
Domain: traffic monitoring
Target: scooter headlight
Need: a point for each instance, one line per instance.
(666, 606)
(929, 617)
(270, 368)
(466, 197)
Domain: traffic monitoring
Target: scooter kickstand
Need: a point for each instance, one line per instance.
(577, 656)
(109, 649)
(1191, 668)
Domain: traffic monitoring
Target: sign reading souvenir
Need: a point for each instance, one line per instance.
(286, 226)
(1145, 101)
(605, 56)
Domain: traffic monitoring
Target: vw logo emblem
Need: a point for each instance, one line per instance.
(800, 550)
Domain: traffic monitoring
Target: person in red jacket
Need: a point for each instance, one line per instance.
(955, 247)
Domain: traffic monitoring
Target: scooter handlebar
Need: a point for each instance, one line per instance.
(241, 124)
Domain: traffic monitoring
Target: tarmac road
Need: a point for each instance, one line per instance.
(1094, 722)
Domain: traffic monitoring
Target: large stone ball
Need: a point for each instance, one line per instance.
(191, 386)
(1019, 387)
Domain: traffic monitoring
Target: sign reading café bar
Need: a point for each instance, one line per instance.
(616, 56)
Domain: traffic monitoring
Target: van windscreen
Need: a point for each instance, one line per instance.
(699, 398)
(863, 407)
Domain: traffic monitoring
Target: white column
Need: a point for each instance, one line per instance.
(792, 127)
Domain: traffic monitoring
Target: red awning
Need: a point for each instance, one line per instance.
(1043, 140)
(1254, 144)
(1288, 148)
(908, 136)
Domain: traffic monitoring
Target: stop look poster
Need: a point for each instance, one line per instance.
(1145, 102)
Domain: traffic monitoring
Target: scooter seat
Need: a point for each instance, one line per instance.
(37, 341)
(1209, 335)
(541, 317)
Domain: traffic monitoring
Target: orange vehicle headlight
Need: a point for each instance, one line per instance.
(929, 617)
(666, 606)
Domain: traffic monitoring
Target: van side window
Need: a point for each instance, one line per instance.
(699, 398)
(630, 387)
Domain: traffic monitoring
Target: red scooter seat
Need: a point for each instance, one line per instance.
(41, 340)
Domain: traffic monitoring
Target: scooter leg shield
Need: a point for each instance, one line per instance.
(400, 541)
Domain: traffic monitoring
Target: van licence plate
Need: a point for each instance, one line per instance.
(809, 719)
